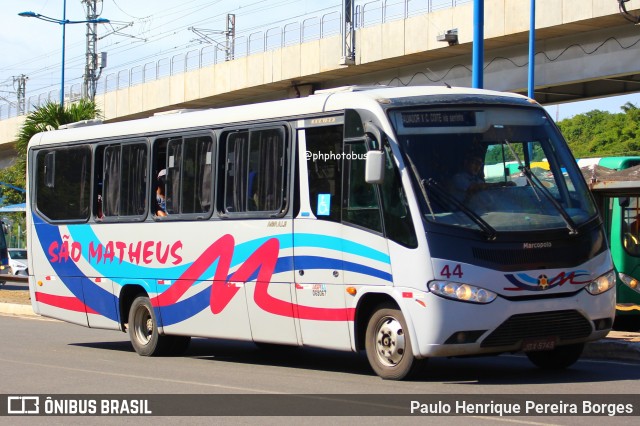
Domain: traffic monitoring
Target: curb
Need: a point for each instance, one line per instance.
(613, 350)
(17, 309)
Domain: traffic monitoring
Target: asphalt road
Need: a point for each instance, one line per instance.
(49, 357)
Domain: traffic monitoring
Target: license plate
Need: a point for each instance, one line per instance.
(545, 344)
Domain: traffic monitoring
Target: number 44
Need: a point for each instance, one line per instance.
(447, 272)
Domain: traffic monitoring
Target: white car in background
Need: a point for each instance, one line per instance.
(18, 261)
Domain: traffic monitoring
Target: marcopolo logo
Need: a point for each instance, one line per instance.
(546, 244)
(327, 156)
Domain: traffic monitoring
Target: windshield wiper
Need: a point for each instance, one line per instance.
(535, 182)
(448, 198)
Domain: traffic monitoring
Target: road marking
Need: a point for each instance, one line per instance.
(105, 373)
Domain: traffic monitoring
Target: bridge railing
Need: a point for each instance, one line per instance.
(367, 13)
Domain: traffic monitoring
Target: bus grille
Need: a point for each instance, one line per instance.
(524, 257)
(565, 325)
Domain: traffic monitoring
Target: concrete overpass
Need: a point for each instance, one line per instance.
(585, 49)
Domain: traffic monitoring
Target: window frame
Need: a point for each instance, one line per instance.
(182, 136)
(285, 130)
(45, 150)
(103, 146)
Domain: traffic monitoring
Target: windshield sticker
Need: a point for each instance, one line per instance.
(324, 205)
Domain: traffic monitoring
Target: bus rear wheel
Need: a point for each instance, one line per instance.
(143, 332)
(558, 358)
(388, 345)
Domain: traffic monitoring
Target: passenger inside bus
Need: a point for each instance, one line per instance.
(161, 207)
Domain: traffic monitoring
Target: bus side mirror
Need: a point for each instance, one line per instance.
(374, 167)
(4, 228)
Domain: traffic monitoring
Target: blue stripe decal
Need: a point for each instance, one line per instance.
(339, 244)
(105, 302)
(93, 296)
(316, 262)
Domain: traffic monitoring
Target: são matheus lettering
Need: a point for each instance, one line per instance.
(116, 251)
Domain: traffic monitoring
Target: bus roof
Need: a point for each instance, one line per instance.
(379, 97)
(619, 163)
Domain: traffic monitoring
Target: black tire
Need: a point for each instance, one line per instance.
(143, 332)
(388, 345)
(557, 359)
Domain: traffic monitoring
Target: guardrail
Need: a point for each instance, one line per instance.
(312, 28)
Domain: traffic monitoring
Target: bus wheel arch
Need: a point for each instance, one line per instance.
(367, 305)
(143, 330)
(127, 295)
(382, 330)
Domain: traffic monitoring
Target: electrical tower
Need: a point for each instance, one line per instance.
(93, 67)
(348, 33)
(229, 33)
(21, 81)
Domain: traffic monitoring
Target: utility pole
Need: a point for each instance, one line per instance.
(93, 67)
(229, 33)
(230, 36)
(21, 81)
(348, 33)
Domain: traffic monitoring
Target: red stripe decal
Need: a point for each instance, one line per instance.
(70, 303)
(263, 260)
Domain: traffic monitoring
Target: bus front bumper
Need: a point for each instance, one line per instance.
(443, 327)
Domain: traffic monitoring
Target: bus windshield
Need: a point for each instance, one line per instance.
(493, 169)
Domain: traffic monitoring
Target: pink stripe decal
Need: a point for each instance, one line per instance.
(263, 260)
(70, 303)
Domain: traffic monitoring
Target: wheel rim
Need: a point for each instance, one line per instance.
(143, 325)
(390, 341)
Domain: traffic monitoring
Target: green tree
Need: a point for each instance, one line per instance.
(48, 117)
(600, 134)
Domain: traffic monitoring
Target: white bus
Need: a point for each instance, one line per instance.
(334, 221)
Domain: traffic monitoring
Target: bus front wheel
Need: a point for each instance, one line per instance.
(558, 358)
(143, 332)
(388, 344)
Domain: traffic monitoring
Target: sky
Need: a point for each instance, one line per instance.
(139, 34)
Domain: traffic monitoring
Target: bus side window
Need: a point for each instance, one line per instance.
(183, 170)
(361, 206)
(255, 171)
(124, 180)
(325, 171)
(67, 196)
(398, 225)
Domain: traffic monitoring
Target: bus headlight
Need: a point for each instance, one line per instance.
(631, 282)
(462, 292)
(602, 283)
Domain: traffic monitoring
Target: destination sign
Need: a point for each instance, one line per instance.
(438, 118)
